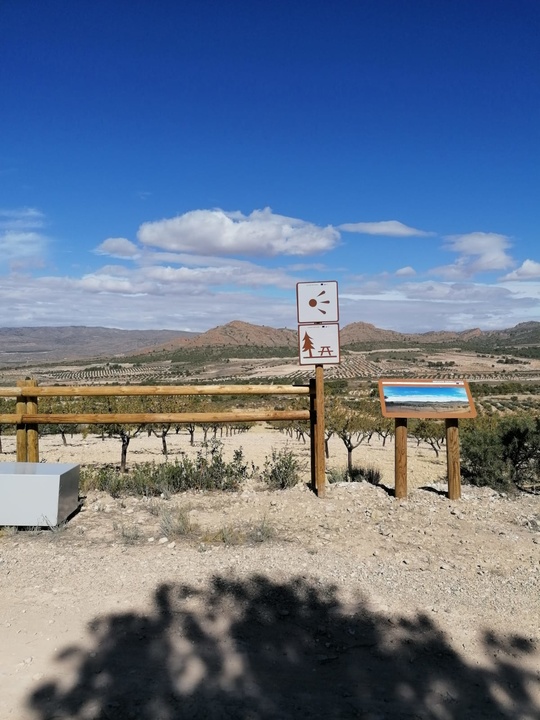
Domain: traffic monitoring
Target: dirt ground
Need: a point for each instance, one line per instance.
(274, 604)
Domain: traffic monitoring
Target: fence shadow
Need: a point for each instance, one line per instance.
(260, 650)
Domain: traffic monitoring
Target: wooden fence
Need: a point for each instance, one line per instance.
(27, 417)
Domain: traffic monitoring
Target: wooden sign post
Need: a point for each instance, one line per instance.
(452, 459)
(427, 399)
(401, 458)
(318, 344)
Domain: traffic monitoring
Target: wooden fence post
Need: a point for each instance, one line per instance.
(312, 433)
(21, 427)
(452, 459)
(32, 433)
(27, 435)
(401, 458)
(320, 460)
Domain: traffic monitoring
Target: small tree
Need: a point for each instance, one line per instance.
(351, 426)
(57, 406)
(384, 427)
(125, 432)
(432, 432)
(164, 404)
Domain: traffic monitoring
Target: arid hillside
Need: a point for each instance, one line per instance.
(235, 333)
(52, 344)
(254, 353)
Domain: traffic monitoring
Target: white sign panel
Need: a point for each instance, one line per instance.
(318, 344)
(317, 302)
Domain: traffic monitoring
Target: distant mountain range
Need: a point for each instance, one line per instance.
(52, 344)
(239, 333)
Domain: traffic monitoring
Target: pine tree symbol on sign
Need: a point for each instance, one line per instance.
(307, 345)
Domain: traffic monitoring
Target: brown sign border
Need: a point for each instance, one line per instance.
(428, 415)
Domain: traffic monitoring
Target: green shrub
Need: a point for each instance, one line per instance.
(175, 523)
(336, 475)
(106, 478)
(368, 474)
(371, 475)
(482, 457)
(503, 454)
(244, 534)
(281, 470)
(207, 471)
(130, 534)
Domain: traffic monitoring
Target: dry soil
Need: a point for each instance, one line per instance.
(274, 604)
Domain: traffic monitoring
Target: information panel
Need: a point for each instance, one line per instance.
(434, 399)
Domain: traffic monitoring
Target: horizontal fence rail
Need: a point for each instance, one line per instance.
(27, 417)
(127, 390)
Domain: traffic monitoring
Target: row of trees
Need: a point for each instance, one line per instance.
(357, 421)
(354, 422)
(127, 405)
(495, 451)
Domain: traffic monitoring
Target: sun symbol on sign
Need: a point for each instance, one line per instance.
(314, 302)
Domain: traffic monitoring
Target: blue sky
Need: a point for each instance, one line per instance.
(408, 393)
(180, 164)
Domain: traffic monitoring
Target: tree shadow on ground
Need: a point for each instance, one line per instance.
(259, 650)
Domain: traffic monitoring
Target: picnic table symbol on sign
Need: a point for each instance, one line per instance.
(309, 348)
(319, 344)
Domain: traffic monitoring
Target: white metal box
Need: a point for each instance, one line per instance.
(38, 494)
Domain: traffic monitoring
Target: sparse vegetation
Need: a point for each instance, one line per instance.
(281, 470)
(249, 534)
(130, 534)
(207, 471)
(502, 453)
(368, 474)
(175, 523)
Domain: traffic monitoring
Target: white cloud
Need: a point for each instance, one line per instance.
(164, 278)
(15, 244)
(21, 246)
(117, 247)
(193, 307)
(262, 234)
(407, 271)
(419, 307)
(388, 228)
(21, 218)
(467, 293)
(119, 296)
(479, 252)
(193, 271)
(112, 284)
(529, 270)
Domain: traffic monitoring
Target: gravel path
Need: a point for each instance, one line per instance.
(276, 604)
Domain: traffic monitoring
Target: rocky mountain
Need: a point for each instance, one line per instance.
(238, 333)
(525, 333)
(52, 344)
(360, 332)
